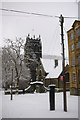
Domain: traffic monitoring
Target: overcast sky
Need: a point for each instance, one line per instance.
(19, 25)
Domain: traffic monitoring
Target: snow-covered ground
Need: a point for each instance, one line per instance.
(0, 104)
(37, 106)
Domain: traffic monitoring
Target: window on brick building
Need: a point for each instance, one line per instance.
(78, 44)
(78, 32)
(78, 59)
(74, 78)
(72, 47)
(79, 76)
(73, 61)
(71, 36)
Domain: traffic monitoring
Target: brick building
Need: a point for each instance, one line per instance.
(74, 57)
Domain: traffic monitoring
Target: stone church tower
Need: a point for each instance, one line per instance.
(32, 54)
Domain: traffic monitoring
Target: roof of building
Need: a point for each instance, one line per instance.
(49, 67)
(69, 30)
(76, 21)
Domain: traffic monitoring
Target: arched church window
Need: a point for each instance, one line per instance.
(36, 48)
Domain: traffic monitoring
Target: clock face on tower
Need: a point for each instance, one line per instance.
(34, 56)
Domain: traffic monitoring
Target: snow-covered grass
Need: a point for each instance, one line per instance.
(37, 106)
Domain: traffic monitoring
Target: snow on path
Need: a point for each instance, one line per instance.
(37, 106)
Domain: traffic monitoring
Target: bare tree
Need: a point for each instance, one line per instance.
(6, 73)
(13, 56)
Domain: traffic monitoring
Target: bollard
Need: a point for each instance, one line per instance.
(11, 95)
(52, 96)
(11, 92)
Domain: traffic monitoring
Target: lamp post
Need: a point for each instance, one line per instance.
(11, 82)
(63, 63)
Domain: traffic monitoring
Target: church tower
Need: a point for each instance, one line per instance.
(32, 54)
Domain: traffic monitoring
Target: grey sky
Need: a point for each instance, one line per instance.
(18, 25)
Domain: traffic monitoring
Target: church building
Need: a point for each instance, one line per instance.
(32, 55)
